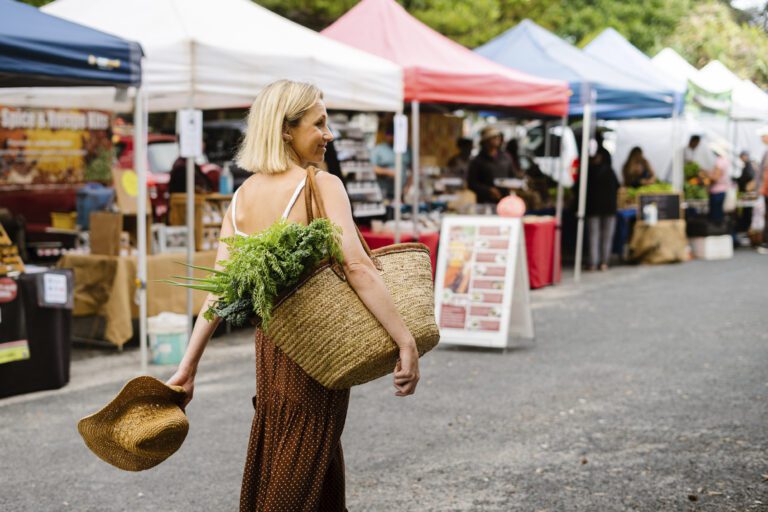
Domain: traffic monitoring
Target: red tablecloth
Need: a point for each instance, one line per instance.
(376, 240)
(539, 245)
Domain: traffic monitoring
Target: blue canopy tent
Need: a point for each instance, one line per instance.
(599, 90)
(37, 49)
(617, 95)
(40, 50)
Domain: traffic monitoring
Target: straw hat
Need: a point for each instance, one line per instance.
(141, 427)
(488, 132)
(719, 148)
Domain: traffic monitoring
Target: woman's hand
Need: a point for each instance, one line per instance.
(185, 378)
(407, 370)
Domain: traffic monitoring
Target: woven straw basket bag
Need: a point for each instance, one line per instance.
(324, 327)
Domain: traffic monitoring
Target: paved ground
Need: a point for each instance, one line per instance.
(646, 389)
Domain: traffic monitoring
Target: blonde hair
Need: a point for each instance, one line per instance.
(278, 106)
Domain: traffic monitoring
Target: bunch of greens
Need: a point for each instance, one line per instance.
(655, 188)
(261, 267)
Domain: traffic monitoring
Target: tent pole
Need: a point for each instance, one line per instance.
(398, 200)
(676, 178)
(583, 170)
(190, 193)
(140, 162)
(561, 163)
(415, 165)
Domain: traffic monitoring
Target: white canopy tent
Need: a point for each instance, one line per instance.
(748, 113)
(205, 55)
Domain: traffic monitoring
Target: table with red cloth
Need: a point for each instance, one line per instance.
(539, 244)
(539, 248)
(377, 240)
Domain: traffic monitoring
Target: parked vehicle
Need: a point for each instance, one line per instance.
(162, 152)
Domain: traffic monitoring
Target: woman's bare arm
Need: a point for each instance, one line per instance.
(364, 278)
(203, 329)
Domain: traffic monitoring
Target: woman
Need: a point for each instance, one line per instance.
(719, 182)
(602, 186)
(294, 460)
(637, 171)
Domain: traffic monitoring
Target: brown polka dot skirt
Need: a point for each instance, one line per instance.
(294, 461)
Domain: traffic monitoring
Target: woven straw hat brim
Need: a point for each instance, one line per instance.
(97, 428)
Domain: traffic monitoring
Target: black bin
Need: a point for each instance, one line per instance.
(46, 328)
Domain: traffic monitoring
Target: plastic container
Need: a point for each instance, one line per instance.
(167, 338)
(712, 247)
(90, 198)
(63, 220)
(225, 180)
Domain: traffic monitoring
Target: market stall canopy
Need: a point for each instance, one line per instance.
(530, 48)
(37, 49)
(703, 94)
(438, 70)
(613, 49)
(749, 101)
(221, 54)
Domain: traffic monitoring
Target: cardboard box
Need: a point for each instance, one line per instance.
(106, 228)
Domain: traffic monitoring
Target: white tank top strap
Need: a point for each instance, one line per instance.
(294, 197)
(234, 214)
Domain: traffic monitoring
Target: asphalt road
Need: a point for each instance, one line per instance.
(646, 389)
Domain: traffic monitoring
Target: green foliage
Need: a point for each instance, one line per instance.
(654, 188)
(263, 266)
(100, 167)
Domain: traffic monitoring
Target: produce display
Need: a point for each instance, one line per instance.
(655, 188)
(262, 266)
(695, 186)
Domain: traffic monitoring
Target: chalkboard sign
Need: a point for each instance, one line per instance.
(668, 204)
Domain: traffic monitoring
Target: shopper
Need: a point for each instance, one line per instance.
(178, 180)
(719, 183)
(458, 165)
(602, 188)
(491, 163)
(637, 171)
(294, 460)
(383, 160)
(763, 175)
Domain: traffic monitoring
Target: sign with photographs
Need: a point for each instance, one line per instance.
(481, 288)
(54, 146)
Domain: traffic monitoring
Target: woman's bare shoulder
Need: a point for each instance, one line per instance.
(328, 181)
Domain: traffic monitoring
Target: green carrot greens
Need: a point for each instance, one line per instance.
(262, 266)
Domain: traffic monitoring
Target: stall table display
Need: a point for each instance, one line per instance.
(105, 286)
(377, 240)
(662, 242)
(539, 244)
(539, 248)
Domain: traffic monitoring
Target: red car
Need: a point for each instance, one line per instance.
(162, 152)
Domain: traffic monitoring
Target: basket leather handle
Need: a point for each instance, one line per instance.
(312, 195)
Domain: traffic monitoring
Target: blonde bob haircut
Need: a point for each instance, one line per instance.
(278, 106)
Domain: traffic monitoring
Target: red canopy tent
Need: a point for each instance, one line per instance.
(438, 70)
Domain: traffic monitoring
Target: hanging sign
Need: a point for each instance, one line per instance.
(400, 142)
(481, 288)
(190, 128)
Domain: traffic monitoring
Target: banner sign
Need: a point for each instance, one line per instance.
(481, 287)
(39, 146)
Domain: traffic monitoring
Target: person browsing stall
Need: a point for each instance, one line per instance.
(383, 160)
(294, 460)
(637, 171)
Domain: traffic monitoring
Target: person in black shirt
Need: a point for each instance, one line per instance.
(489, 164)
(601, 205)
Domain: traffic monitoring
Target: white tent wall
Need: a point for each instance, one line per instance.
(653, 136)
